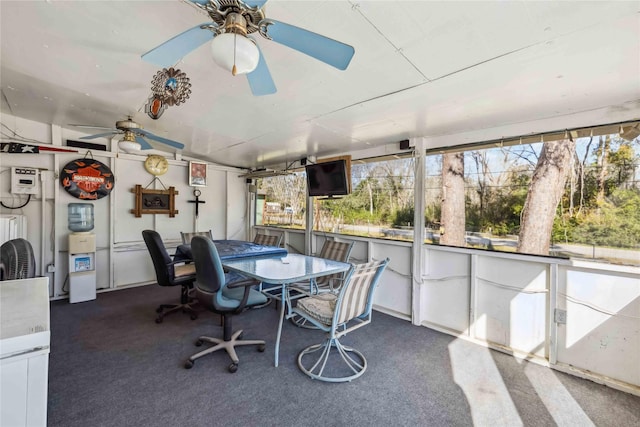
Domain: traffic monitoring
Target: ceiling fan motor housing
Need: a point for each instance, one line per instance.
(125, 125)
(225, 13)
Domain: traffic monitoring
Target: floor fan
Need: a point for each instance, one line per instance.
(17, 260)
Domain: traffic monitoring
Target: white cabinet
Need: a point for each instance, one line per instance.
(24, 351)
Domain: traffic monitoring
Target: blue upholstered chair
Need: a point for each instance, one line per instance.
(338, 315)
(216, 294)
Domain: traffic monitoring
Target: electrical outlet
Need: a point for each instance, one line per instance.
(560, 316)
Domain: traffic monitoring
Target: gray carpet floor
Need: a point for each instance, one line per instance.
(112, 365)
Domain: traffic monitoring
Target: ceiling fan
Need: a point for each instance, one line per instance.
(133, 139)
(235, 51)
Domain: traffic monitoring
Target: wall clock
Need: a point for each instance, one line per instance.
(156, 165)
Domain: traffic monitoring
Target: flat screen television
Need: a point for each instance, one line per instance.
(327, 179)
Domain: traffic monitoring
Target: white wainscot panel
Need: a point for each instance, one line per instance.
(394, 290)
(208, 212)
(318, 242)
(511, 299)
(236, 207)
(295, 242)
(131, 267)
(602, 333)
(170, 227)
(444, 297)
(129, 173)
(102, 268)
(360, 251)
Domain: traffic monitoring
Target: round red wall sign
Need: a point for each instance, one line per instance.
(87, 179)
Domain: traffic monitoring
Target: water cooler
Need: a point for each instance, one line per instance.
(82, 253)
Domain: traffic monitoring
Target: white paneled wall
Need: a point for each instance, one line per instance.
(510, 303)
(445, 294)
(394, 289)
(12, 227)
(602, 333)
(121, 257)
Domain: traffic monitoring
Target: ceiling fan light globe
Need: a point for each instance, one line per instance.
(130, 147)
(246, 55)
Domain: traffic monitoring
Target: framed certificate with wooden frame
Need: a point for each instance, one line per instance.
(154, 201)
(197, 174)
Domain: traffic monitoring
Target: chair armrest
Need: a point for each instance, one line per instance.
(335, 284)
(308, 289)
(242, 283)
(246, 284)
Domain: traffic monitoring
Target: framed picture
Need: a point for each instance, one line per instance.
(197, 174)
(154, 201)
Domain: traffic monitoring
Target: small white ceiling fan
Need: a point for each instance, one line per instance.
(133, 139)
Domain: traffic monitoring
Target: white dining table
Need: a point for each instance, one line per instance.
(276, 273)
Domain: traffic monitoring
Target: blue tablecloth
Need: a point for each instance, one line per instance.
(233, 249)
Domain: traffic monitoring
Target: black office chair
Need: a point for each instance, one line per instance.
(222, 297)
(170, 273)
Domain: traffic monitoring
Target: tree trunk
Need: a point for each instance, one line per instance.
(547, 186)
(453, 194)
(482, 167)
(370, 198)
(583, 167)
(603, 161)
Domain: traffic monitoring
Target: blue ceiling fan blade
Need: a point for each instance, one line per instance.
(260, 79)
(322, 48)
(98, 135)
(176, 48)
(149, 135)
(144, 145)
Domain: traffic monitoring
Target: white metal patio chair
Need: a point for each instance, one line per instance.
(339, 315)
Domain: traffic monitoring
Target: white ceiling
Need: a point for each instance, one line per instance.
(421, 68)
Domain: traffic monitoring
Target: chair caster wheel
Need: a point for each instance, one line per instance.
(261, 348)
(188, 364)
(198, 343)
(194, 316)
(233, 368)
(159, 319)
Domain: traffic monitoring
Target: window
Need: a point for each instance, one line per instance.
(380, 203)
(502, 200)
(572, 194)
(281, 200)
